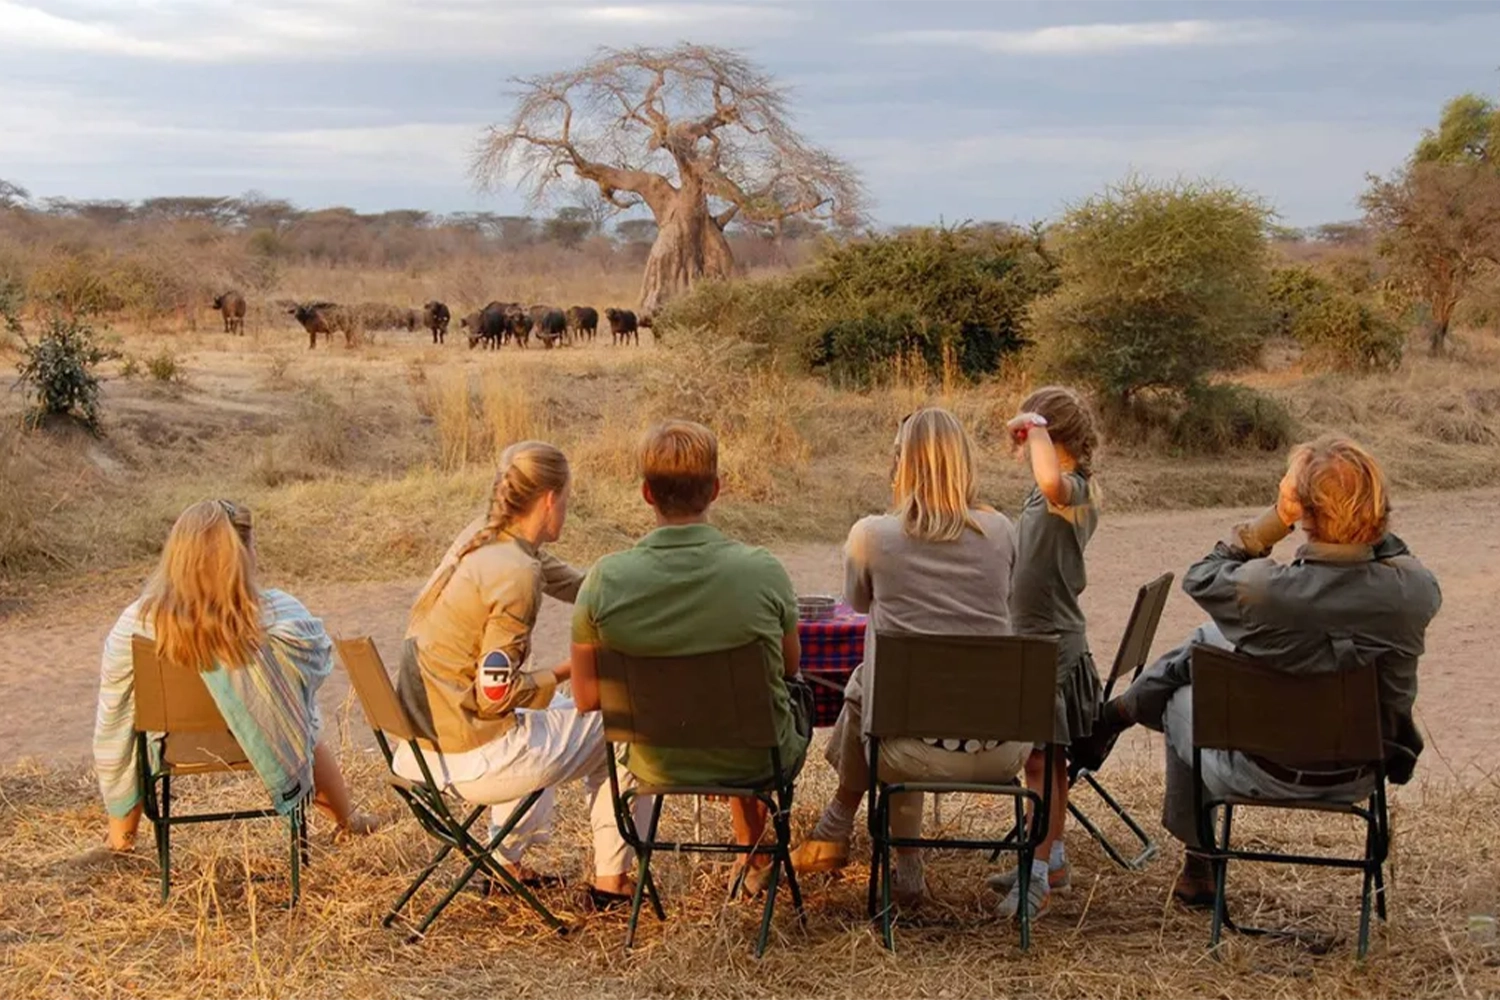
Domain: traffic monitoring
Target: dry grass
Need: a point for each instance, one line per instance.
(363, 463)
(74, 926)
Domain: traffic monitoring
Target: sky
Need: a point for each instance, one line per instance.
(951, 111)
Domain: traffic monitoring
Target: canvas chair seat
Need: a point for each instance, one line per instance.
(202, 753)
(175, 707)
(428, 800)
(1306, 721)
(1345, 809)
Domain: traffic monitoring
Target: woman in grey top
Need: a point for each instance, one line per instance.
(939, 563)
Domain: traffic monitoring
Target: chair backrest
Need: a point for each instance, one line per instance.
(1140, 631)
(1314, 721)
(170, 700)
(719, 700)
(176, 702)
(373, 688)
(963, 687)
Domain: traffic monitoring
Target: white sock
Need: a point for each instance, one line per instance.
(907, 878)
(1039, 872)
(1059, 856)
(836, 823)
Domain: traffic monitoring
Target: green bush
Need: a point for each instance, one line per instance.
(1161, 285)
(949, 293)
(1337, 331)
(164, 366)
(1219, 418)
(1341, 333)
(57, 372)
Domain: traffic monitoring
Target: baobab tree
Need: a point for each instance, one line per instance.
(698, 134)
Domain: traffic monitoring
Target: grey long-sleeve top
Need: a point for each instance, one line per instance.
(1331, 606)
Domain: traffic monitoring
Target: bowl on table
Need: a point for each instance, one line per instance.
(816, 607)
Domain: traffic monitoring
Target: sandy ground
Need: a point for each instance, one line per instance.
(49, 661)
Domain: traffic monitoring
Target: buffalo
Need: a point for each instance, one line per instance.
(435, 317)
(490, 325)
(549, 326)
(231, 305)
(623, 325)
(326, 318)
(583, 321)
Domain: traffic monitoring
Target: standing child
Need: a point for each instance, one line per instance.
(1055, 432)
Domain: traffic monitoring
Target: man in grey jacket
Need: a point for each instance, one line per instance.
(1353, 594)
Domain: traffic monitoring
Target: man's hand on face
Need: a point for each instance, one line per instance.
(1288, 504)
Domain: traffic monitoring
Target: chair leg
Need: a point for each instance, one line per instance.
(770, 907)
(296, 828)
(1364, 914)
(1148, 846)
(643, 879)
(1380, 891)
(1221, 872)
(887, 917)
(784, 856)
(1023, 886)
(164, 837)
(426, 873)
(442, 904)
(651, 893)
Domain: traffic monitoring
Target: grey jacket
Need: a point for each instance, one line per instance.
(1331, 606)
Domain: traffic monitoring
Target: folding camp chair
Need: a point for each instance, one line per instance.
(959, 687)
(1318, 723)
(176, 715)
(1130, 658)
(712, 701)
(426, 798)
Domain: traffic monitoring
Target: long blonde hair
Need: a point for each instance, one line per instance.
(528, 471)
(933, 482)
(202, 600)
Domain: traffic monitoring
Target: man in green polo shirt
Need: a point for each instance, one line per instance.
(686, 589)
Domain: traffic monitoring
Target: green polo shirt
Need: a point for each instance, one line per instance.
(684, 590)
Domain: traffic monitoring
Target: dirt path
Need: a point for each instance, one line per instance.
(1455, 534)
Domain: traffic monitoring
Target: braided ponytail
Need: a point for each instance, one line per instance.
(528, 471)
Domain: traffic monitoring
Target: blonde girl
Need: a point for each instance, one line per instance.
(260, 653)
(938, 563)
(470, 683)
(1056, 435)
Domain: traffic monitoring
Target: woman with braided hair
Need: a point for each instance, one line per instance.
(469, 683)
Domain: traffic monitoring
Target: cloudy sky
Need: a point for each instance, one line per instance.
(980, 110)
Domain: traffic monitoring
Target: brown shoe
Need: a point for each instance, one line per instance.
(1195, 884)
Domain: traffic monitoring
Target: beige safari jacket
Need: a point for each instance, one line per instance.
(465, 666)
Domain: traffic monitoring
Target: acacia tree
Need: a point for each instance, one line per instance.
(698, 134)
(1438, 218)
(1439, 226)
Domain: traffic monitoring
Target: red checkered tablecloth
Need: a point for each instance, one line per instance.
(831, 649)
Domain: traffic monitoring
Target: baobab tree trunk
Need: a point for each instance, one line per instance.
(689, 246)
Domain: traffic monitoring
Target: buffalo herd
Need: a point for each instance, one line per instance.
(493, 326)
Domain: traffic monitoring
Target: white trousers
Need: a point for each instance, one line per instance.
(546, 748)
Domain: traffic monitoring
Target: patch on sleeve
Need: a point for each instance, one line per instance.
(494, 675)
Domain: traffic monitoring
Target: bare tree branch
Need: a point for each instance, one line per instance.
(698, 133)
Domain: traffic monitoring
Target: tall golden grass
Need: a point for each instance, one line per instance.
(312, 437)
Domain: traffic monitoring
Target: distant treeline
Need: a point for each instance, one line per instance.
(277, 229)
